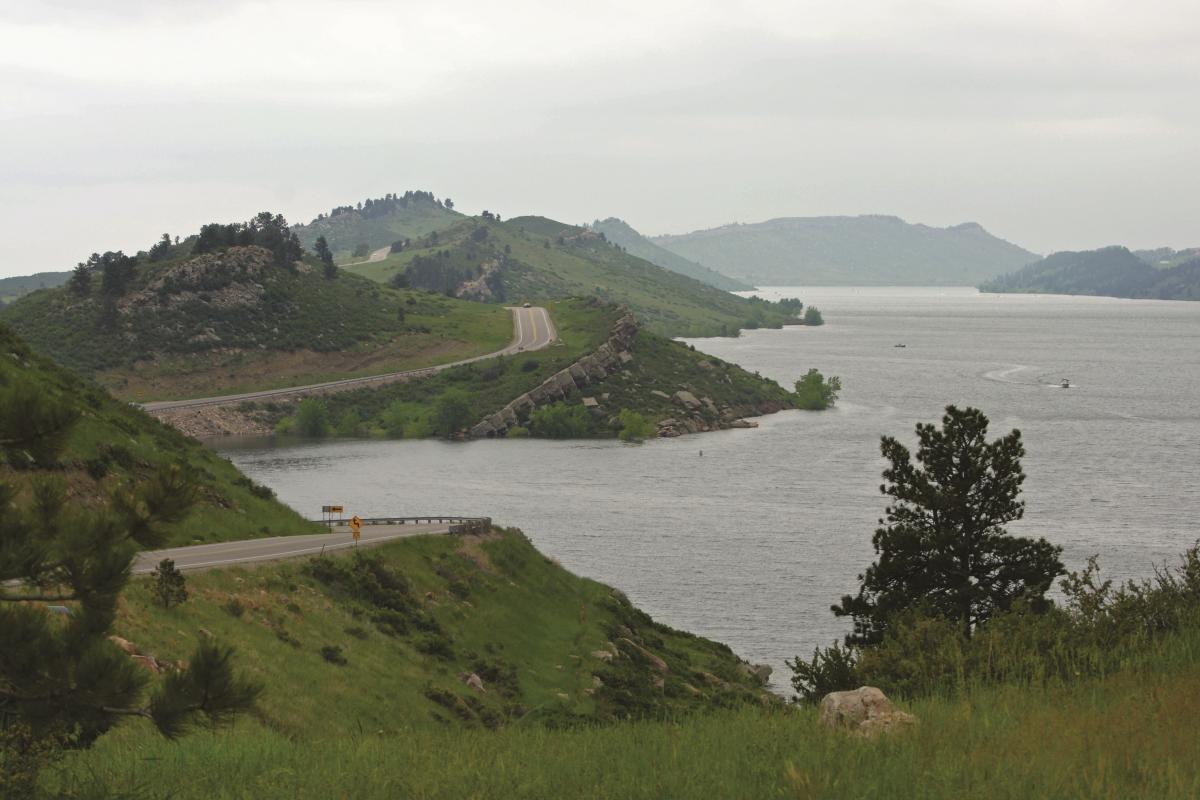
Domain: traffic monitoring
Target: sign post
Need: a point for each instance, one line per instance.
(356, 528)
(327, 513)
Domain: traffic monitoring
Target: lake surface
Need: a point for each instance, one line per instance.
(752, 541)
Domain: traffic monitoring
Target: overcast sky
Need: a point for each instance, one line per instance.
(1056, 124)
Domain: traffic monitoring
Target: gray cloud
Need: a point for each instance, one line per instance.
(1055, 130)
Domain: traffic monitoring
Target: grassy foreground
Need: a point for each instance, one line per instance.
(1129, 735)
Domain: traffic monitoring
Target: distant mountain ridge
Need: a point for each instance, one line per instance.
(856, 251)
(1108, 272)
(622, 233)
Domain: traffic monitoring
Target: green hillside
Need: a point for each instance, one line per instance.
(13, 288)
(411, 618)
(112, 442)
(646, 384)
(236, 319)
(850, 251)
(1164, 257)
(1109, 272)
(378, 222)
(621, 233)
(538, 259)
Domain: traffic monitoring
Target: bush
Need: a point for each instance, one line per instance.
(813, 317)
(560, 421)
(833, 669)
(815, 393)
(333, 654)
(169, 584)
(312, 418)
(634, 427)
(452, 413)
(517, 432)
(348, 424)
(234, 608)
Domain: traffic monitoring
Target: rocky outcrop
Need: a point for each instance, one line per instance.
(594, 367)
(866, 711)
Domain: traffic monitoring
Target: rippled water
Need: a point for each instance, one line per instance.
(750, 542)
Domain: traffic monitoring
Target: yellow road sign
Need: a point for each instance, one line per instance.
(355, 526)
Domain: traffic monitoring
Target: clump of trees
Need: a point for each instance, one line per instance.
(561, 421)
(813, 317)
(816, 393)
(266, 230)
(63, 683)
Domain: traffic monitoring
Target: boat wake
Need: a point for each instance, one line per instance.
(1003, 375)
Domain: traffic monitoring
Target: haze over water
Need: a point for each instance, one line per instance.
(750, 543)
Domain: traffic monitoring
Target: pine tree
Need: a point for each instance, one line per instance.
(61, 679)
(326, 256)
(943, 548)
(81, 280)
(169, 584)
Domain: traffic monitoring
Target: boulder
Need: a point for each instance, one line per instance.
(757, 672)
(124, 644)
(743, 423)
(603, 655)
(661, 394)
(687, 400)
(866, 711)
(472, 681)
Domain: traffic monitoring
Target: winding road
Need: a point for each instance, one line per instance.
(248, 551)
(532, 329)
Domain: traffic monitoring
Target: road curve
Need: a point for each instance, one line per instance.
(532, 327)
(247, 551)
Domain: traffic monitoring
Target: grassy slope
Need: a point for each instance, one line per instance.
(862, 251)
(488, 385)
(538, 267)
(303, 329)
(658, 364)
(619, 232)
(349, 229)
(503, 610)
(1127, 735)
(113, 442)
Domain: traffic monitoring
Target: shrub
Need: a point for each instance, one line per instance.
(634, 427)
(312, 418)
(813, 317)
(560, 421)
(234, 607)
(333, 654)
(169, 584)
(815, 393)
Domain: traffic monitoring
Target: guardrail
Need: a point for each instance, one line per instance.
(458, 525)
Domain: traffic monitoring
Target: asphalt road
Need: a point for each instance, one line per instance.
(532, 328)
(223, 554)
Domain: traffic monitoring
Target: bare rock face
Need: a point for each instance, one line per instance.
(865, 711)
(472, 681)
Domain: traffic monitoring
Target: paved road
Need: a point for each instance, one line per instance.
(223, 554)
(375, 257)
(532, 329)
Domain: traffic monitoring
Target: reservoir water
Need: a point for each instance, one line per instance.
(752, 541)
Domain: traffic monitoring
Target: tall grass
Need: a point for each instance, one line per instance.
(1128, 735)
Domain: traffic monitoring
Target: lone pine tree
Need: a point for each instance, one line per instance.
(943, 548)
(169, 584)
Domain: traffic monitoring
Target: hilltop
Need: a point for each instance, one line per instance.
(14, 288)
(1109, 271)
(112, 442)
(537, 259)
(228, 312)
(378, 222)
(851, 251)
(622, 234)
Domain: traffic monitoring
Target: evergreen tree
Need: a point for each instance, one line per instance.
(81, 280)
(943, 548)
(169, 584)
(326, 256)
(61, 679)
